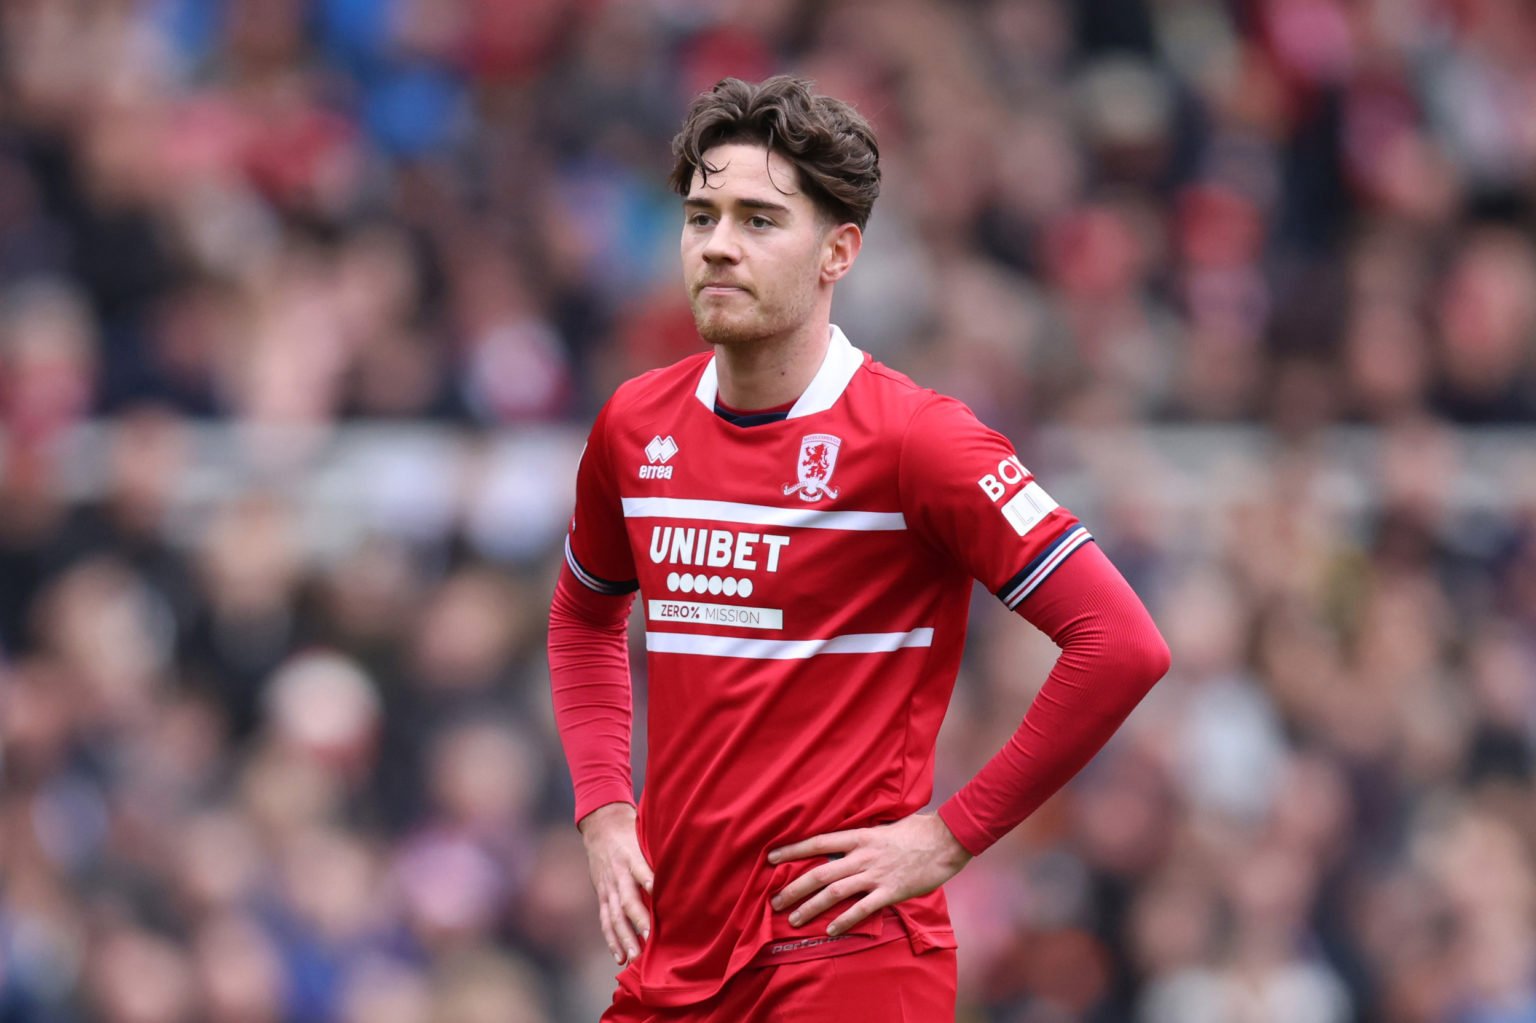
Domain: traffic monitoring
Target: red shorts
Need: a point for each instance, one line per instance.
(886, 983)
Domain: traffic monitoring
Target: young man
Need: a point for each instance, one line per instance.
(804, 525)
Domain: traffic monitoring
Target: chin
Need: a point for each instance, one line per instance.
(725, 330)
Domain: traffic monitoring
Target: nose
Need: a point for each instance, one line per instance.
(722, 246)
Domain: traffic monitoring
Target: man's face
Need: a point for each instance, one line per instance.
(752, 254)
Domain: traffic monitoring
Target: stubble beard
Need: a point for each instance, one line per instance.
(732, 327)
(718, 327)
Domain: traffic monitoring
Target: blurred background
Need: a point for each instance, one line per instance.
(306, 306)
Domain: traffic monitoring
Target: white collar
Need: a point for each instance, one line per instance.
(842, 361)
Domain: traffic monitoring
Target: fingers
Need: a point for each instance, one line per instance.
(609, 938)
(619, 872)
(879, 898)
(625, 920)
(618, 921)
(632, 908)
(641, 871)
(820, 845)
(826, 885)
(830, 896)
(813, 879)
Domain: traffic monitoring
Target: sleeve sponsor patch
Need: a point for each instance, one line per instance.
(1028, 507)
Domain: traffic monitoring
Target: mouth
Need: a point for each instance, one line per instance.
(717, 288)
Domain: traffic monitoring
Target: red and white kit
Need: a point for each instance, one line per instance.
(805, 585)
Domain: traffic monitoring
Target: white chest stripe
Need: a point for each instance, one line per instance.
(761, 514)
(785, 649)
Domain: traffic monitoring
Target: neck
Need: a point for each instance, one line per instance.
(771, 371)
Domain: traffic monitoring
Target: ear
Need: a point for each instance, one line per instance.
(839, 249)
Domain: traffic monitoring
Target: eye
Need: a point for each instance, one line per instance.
(760, 222)
(699, 220)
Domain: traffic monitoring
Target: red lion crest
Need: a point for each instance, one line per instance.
(818, 457)
(813, 463)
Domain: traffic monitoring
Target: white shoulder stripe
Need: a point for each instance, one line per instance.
(761, 514)
(785, 649)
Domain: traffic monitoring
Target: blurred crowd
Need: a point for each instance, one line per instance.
(256, 768)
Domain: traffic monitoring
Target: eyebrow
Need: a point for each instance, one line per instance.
(747, 204)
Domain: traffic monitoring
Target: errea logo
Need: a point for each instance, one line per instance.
(659, 451)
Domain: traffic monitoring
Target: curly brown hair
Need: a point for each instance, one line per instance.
(831, 144)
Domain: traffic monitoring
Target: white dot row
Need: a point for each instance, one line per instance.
(689, 583)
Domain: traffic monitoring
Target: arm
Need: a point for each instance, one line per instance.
(589, 683)
(968, 496)
(1111, 655)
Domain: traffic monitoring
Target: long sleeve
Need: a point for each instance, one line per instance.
(588, 648)
(1111, 655)
(589, 682)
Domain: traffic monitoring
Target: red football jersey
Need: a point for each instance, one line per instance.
(805, 585)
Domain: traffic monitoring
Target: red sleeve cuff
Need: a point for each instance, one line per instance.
(600, 796)
(966, 829)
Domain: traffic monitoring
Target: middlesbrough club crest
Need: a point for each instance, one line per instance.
(818, 457)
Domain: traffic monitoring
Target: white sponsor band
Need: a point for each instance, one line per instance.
(1028, 508)
(734, 615)
(785, 649)
(761, 514)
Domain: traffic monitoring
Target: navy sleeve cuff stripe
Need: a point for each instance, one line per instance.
(1013, 592)
(593, 582)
